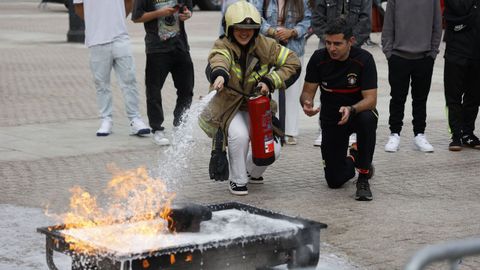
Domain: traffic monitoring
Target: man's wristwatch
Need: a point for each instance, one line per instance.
(353, 111)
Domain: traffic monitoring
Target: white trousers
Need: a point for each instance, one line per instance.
(292, 106)
(240, 152)
(116, 55)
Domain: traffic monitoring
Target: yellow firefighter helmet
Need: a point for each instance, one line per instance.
(242, 14)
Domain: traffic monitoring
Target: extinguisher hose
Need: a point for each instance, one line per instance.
(257, 89)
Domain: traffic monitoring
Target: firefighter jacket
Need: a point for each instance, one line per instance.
(356, 12)
(263, 61)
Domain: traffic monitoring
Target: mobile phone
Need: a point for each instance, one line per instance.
(179, 7)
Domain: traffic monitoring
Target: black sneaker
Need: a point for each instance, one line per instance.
(363, 190)
(237, 189)
(456, 144)
(471, 140)
(253, 180)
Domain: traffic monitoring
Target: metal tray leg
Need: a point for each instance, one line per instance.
(49, 254)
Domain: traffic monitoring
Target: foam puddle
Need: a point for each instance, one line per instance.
(224, 225)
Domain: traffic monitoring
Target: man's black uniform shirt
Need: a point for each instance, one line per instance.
(341, 82)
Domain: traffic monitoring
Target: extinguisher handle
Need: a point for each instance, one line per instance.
(257, 91)
(260, 87)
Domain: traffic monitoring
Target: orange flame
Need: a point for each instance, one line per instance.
(132, 196)
(189, 258)
(172, 259)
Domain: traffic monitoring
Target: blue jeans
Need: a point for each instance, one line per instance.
(117, 55)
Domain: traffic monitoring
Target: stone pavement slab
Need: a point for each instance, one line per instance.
(48, 121)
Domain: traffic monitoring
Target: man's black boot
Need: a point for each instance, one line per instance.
(363, 189)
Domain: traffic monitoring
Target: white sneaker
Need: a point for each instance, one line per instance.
(393, 143)
(290, 140)
(106, 127)
(422, 144)
(138, 127)
(352, 139)
(318, 141)
(159, 138)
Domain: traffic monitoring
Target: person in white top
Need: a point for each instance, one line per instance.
(109, 44)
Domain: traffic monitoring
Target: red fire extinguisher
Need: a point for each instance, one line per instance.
(261, 131)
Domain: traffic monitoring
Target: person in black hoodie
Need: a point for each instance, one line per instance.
(462, 68)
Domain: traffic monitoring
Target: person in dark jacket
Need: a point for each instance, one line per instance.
(461, 71)
(356, 12)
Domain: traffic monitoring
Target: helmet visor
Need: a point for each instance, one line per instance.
(246, 26)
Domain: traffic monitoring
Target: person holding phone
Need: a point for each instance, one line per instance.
(167, 51)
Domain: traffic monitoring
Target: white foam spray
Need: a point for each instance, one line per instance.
(187, 139)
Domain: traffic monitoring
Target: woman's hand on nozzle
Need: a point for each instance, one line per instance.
(218, 83)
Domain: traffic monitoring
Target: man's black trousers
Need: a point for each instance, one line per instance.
(462, 95)
(338, 167)
(180, 65)
(401, 72)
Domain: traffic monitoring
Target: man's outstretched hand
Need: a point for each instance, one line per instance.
(345, 111)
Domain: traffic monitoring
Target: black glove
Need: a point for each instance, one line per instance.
(218, 167)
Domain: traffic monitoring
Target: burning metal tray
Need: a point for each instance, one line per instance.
(296, 247)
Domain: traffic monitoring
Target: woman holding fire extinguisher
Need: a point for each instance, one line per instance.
(244, 67)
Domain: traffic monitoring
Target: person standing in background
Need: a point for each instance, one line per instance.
(357, 13)
(462, 68)
(167, 51)
(410, 46)
(287, 21)
(109, 44)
